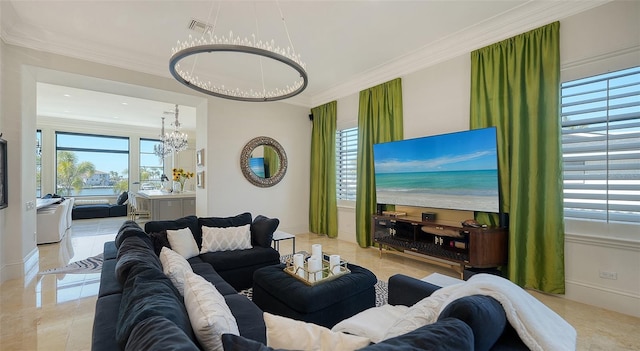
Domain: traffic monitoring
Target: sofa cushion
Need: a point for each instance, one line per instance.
(248, 316)
(159, 333)
(159, 240)
(207, 272)
(225, 239)
(90, 211)
(232, 342)
(110, 250)
(122, 198)
(104, 323)
(182, 242)
(223, 222)
(483, 314)
(175, 267)
(208, 312)
(108, 283)
(190, 222)
(135, 251)
(262, 230)
(449, 334)
(227, 260)
(117, 210)
(283, 332)
(148, 292)
(129, 228)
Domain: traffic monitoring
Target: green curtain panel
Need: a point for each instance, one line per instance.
(379, 120)
(515, 86)
(271, 161)
(323, 207)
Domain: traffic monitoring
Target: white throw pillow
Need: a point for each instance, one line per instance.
(361, 324)
(208, 312)
(182, 242)
(226, 239)
(287, 333)
(423, 312)
(174, 267)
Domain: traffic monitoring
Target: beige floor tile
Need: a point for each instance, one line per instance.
(55, 312)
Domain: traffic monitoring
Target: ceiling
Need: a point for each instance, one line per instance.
(347, 45)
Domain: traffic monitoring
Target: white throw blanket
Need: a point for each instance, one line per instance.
(538, 326)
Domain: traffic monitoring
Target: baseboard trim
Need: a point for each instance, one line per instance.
(26, 270)
(31, 266)
(610, 299)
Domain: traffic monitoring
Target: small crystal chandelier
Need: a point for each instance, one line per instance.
(176, 140)
(161, 150)
(267, 49)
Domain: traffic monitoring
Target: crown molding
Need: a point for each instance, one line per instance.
(528, 16)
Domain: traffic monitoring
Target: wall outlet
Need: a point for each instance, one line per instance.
(30, 205)
(608, 275)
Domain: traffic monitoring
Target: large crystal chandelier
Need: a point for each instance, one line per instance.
(161, 150)
(212, 43)
(176, 140)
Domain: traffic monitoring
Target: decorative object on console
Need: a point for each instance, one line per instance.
(181, 176)
(199, 75)
(428, 216)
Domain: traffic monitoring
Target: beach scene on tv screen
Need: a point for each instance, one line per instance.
(452, 171)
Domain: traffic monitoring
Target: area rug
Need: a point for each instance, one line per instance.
(86, 266)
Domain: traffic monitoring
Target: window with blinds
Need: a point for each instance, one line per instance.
(601, 147)
(346, 158)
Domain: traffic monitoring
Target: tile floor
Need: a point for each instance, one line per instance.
(55, 312)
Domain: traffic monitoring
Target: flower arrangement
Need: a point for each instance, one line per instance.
(181, 176)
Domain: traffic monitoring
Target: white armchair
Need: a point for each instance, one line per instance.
(52, 223)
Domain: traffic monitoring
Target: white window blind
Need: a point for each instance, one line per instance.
(346, 158)
(601, 147)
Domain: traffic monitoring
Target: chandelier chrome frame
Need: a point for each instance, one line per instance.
(268, 50)
(174, 141)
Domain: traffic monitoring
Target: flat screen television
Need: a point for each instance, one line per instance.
(456, 171)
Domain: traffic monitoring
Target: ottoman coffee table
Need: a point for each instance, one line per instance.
(325, 303)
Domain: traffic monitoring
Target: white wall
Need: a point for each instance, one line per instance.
(231, 125)
(436, 100)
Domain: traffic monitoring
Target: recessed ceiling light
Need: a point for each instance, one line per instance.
(67, 95)
(124, 103)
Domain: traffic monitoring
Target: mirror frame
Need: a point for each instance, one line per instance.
(246, 155)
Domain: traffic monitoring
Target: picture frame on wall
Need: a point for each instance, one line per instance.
(200, 179)
(200, 157)
(3, 174)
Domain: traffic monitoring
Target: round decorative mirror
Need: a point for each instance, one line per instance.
(263, 162)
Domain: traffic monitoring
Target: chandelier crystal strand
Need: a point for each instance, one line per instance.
(161, 150)
(176, 140)
(266, 49)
